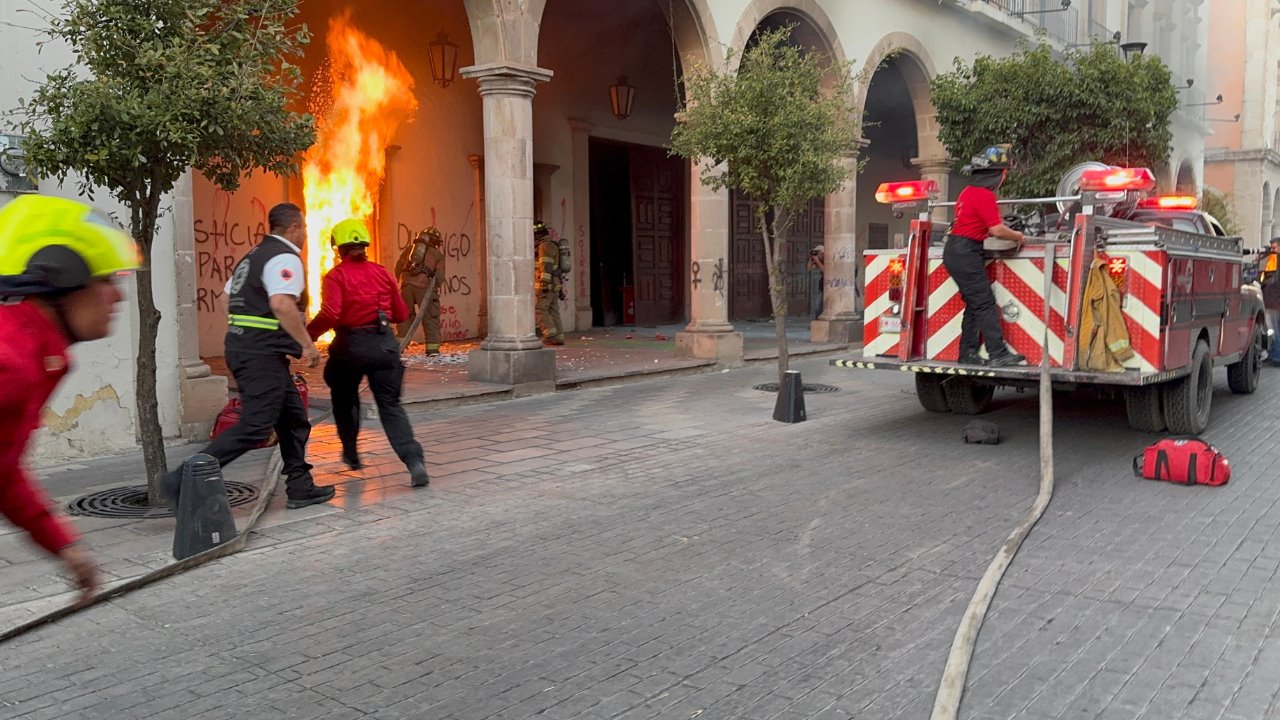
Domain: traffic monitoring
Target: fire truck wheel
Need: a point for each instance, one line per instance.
(931, 393)
(1187, 399)
(1242, 377)
(1145, 410)
(965, 397)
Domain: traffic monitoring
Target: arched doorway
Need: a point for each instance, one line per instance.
(748, 273)
(1186, 179)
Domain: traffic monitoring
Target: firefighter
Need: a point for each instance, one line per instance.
(546, 275)
(978, 217)
(359, 302)
(266, 325)
(58, 264)
(420, 262)
(1270, 281)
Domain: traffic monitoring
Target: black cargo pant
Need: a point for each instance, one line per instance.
(966, 263)
(375, 354)
(269, 400)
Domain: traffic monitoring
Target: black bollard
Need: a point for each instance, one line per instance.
(790, 405)
(203, 512)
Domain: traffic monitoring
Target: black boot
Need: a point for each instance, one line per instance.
(313, 496)
(352, 459)
(971, 358)
(1005, 359)
(418, 473)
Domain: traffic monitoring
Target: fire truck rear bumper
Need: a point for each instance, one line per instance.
(1015, 375)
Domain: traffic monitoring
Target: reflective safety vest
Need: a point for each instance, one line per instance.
(252, 326)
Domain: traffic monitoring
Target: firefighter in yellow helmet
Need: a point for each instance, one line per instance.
(418, 265)
(58, 264)
(546, 284)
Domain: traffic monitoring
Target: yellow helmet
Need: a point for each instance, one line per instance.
(51, 245)
(348, 232)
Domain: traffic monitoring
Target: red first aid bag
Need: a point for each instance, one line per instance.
(230, 414)
(1183, 460)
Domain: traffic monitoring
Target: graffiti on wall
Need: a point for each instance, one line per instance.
(221, 240)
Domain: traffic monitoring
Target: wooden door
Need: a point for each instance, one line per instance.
(749, 279)
(657, 222)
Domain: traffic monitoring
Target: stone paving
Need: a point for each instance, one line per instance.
(665, 550)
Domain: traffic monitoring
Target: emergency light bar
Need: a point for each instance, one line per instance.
(901, 192)
(1117, 179)
(1170, 202)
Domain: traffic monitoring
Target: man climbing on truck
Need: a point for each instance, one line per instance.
(977, 218)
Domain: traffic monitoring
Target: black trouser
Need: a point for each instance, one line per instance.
(372, 353)
(966, 263)
(269, 400)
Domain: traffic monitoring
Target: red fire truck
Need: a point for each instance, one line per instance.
(1184, 304)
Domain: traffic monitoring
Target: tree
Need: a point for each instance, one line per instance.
(1219, 205)
(161, 86)
(776, 130)
(1088, 104)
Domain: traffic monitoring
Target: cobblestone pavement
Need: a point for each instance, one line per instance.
(665, 550)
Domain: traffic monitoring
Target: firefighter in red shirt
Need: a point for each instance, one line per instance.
(977, 218)
(359, 302)
(58, 264)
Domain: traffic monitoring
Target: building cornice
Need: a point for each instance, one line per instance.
(1266, 155)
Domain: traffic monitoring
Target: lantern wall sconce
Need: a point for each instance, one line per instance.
(444, 59)
(621, 96)
(1133, 50)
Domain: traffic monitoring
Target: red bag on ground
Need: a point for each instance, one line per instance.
(1188, 461)
(230, 413)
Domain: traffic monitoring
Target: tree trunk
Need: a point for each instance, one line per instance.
(774, 248)
(145, 214)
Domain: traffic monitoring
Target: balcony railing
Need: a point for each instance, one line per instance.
(1059, 24)
(1099, 32)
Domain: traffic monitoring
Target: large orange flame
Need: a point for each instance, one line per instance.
(370, 94)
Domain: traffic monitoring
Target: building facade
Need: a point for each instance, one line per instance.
(1243, 154)
(528, 129)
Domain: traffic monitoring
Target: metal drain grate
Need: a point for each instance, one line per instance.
(808, 387)
(131, 502)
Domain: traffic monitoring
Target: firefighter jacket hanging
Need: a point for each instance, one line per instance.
(1104, 338)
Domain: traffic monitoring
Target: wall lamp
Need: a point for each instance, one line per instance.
(1133, 50)
(1225, 120)
(621, 96)
(1217, 101)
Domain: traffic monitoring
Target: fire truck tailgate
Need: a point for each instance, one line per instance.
(1018, 374)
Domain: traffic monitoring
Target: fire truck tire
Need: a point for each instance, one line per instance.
(1144, 407)
(1242, 377)
(1187, 400)
(965, 397)
(933, 397)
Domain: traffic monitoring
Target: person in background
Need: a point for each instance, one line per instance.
(359, 302)
(266, 325)
(546, 285)
(817, 263)
(422, 261)
(1270, 280)
(60, 268)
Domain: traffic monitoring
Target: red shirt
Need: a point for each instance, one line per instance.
(352, 294)
(33, 360)
(976, 213)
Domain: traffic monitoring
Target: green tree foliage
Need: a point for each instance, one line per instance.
(160, 86)
(1219, 205)
(778, 130)
(1090, 104)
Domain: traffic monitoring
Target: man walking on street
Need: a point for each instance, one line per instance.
(1270, 280)
(359, 301)
(422, 261)
(267, 300)
(58, 264)
(546, 277)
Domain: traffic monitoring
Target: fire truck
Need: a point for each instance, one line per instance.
(1184, 304)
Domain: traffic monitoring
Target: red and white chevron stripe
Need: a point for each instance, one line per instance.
(1143, 286)
(875, 340)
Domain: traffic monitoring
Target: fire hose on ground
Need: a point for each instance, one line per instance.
(270, 484)
(951, 689)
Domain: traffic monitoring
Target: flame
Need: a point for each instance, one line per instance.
(369, 94)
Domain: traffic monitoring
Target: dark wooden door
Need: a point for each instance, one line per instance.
(748, 277)
(657, 222)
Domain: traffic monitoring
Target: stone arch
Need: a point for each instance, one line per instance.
(1185, 179)
(912, 59)
(1265, 223)
(1275, 217)
(808, 10)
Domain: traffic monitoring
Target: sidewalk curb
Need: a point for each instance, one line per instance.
(269, 486)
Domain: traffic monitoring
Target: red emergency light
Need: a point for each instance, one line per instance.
(1117, 179)
(901, 192)
(1170, 202)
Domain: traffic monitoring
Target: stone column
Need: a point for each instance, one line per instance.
(201, 393)
(709, 334)
(482, 317)
(938, 169)
(511, 352)
(840, 321)
(580, 231)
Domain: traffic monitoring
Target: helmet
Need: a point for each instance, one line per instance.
(995, 157)
(348, 232)
(433, 235)
(52, 245)
(540, 229)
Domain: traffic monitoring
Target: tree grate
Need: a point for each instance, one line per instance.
(131, 502)
(808, 387)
